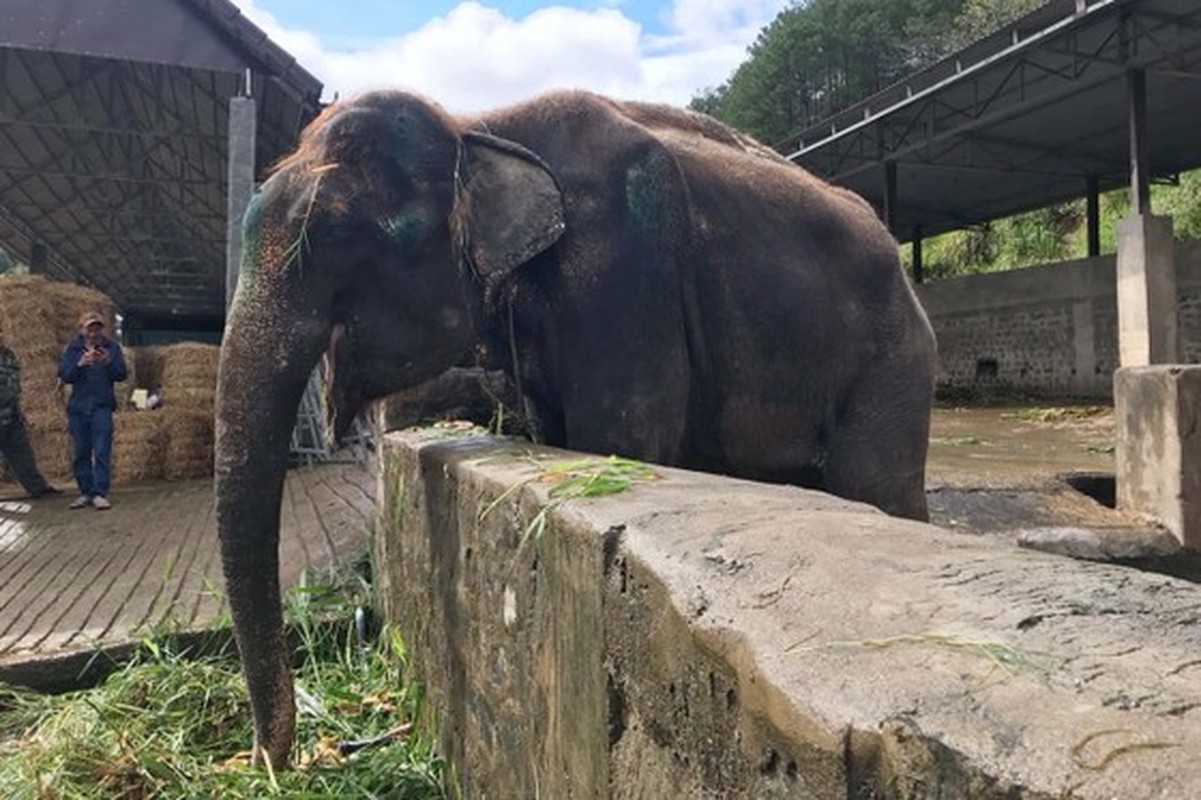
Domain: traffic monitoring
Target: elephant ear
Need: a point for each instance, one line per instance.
(508, 206)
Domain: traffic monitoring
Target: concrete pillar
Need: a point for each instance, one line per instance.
(1147, 328)
(241, 185)
(1158, 454)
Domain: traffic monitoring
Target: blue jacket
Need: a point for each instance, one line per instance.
(92, 385)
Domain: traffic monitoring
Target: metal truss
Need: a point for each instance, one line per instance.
(122, 165)
(944, 122)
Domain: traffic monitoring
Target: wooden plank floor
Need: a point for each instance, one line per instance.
(73, 581)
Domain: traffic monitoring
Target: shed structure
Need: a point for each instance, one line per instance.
(130, 136)
(1042, 111)
(1076, 97)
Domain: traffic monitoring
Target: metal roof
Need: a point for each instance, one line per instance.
(1023, 118)
(113, 141)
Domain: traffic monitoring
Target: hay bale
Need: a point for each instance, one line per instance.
(150, 366)
(51, 441)
(189, 375)
(27, 319)
(31, 306)
(69, 300)
(124, 389)
(39, 317)
(40, 392)
(139, 444)
(28, 313)
(189, 443)
(188, 381)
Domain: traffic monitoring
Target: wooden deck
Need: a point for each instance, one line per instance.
(73, 581)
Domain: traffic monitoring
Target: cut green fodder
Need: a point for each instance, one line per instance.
(451, 429)
(1011, 658)
(1057, 413)
(571, 480)
(957, 441)
(296, 248)
(171, 726)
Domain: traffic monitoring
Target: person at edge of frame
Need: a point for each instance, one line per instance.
(14, 438)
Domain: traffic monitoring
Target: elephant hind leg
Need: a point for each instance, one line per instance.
(877, 452)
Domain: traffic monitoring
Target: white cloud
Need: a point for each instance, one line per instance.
(475, 57)
(704, 20)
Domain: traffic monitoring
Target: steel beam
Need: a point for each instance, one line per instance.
(242, 125)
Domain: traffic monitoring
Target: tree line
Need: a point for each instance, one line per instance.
(818, 57)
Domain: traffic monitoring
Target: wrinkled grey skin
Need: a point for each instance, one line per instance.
(675, 293)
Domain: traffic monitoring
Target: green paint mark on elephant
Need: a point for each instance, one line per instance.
(252, 222)
(645, 199)
(404, 230)
(252, 230)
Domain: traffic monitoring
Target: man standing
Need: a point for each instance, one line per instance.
(14, 440)
(91, 363)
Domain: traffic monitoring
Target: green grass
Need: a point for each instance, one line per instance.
(957, 441)
(1013, 659)
(170, 726)
(584, 477)
(1057, 413)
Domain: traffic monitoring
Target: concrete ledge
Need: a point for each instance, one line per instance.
(1157, 457)
(705, 637)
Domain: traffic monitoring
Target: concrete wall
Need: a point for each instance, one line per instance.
(1046, 331)
(704, 637)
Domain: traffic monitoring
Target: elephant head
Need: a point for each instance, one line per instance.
(379, 226)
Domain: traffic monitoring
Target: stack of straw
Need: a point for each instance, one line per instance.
(185, 374)
(189, 375)
(139, 442)
(39, 317)
(189, 443)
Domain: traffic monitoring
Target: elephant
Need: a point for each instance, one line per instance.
(655, 284)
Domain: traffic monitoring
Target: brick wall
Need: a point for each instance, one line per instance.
(1048, 331)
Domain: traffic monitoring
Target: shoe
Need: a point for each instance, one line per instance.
(101, 503)
(45, 491)
(83, 501)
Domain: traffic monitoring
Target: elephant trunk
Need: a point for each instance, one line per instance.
(266, 359)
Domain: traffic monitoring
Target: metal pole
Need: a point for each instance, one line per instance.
(1094, 218)
(918, 274)
(890, 196)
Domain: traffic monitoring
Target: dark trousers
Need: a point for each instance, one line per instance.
(14, 443)
(92, 435)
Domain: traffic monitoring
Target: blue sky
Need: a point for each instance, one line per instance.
(475, 54)
(358, 21)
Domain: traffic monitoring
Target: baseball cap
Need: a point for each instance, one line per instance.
(89, 318)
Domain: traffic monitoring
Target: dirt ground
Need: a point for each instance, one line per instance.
(1040, 473)
(992, 470)
(1018, 446)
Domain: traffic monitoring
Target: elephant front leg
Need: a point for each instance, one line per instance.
(878, 448)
